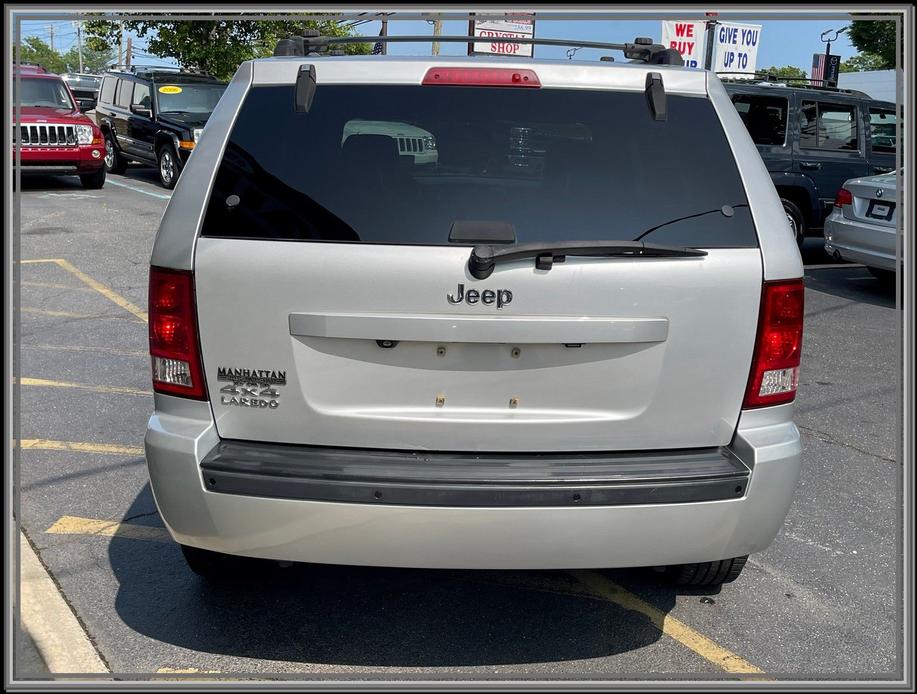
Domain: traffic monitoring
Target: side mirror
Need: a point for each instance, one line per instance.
(86, 104)
(141, 110)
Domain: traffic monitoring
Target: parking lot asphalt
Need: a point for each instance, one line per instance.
(822, 602)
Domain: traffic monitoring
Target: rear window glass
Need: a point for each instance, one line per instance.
(124, 93)
(882, 124)
(107, 93)
(402, 164)
(764, 117)
(828, 126)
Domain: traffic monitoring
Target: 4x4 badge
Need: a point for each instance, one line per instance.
(251, 387)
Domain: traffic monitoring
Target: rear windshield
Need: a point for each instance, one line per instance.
(403, 164)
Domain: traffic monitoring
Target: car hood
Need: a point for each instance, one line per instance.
(186, 120)
(40, 114)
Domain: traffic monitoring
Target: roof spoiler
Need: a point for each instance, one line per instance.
(641, 50)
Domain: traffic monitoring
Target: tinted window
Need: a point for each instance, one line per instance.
(402, 164)
(124, 93)
(828, 126)
(107, 93)
(141, 95)
(882, 124)
(764, 116)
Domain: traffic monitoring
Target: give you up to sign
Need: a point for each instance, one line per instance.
(736, 47)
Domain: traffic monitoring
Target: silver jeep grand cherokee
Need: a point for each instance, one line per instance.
(571, 339)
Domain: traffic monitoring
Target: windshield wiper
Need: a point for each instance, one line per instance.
(484, 259)
(725, 210)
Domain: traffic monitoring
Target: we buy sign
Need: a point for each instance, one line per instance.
(687, 38)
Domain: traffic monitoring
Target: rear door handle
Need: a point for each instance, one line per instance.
(810, 165)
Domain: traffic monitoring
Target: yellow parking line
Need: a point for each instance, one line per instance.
(82, 386)
(78, 348)
(105, 291)
(53, 285)
(78, 446)
(69, 314)
(74, 525)
(668, 625)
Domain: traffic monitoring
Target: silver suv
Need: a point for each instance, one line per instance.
(580, 352)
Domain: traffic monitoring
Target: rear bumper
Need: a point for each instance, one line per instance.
(872, 245)
(562, 535)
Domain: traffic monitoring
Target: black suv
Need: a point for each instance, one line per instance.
(154, 117)
(812, 139)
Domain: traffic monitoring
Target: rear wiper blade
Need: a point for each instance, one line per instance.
(484, 259)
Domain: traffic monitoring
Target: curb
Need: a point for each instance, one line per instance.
(59, 637)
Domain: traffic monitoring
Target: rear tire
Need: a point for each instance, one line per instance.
(796, 221)
(708, 573)
(114, 162)
(95, 180)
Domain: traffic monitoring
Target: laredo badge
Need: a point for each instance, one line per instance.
(251, 387)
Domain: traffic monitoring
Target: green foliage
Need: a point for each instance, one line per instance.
(214, 47)
(34, 50)
(876, 37)
(863, 61)
(785, 71)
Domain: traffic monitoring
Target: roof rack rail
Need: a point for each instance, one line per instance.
(641, 50)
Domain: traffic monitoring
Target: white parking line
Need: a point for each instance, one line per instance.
(832, 266)
(108, 181)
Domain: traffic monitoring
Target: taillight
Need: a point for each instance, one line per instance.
(174, 348)
(778, 347)
(843, 197)
(481, 77)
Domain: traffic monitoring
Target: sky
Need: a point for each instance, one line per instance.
(783, 42)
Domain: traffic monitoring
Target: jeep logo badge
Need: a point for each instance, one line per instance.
(488, 297)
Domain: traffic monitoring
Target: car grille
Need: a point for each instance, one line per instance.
(43, 135)
(409, 145)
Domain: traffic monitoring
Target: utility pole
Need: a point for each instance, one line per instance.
(384, 32)
(127, 57)
(437, 31)
(51, 34)
(79, 43)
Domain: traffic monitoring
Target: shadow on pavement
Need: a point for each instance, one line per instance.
(853, 284)
(359, 616)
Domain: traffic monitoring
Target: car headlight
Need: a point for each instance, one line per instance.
(429, 142)
(197, 133)
(84, 134)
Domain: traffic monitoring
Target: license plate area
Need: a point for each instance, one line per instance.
(880, 210)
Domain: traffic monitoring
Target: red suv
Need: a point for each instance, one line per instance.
(56, 138)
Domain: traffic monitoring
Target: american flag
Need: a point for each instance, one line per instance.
(818, 66)
(378, 46)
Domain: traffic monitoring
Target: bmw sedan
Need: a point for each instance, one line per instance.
(862, 227)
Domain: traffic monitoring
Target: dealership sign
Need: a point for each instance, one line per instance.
(736, 47)
(492, 30)
(687, 38)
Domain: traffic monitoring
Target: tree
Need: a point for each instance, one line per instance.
(214, 47)
(787, 71)
(34, 50)
(861, 62)
(876, 37)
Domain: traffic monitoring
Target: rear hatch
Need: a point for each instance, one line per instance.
(334, 309)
